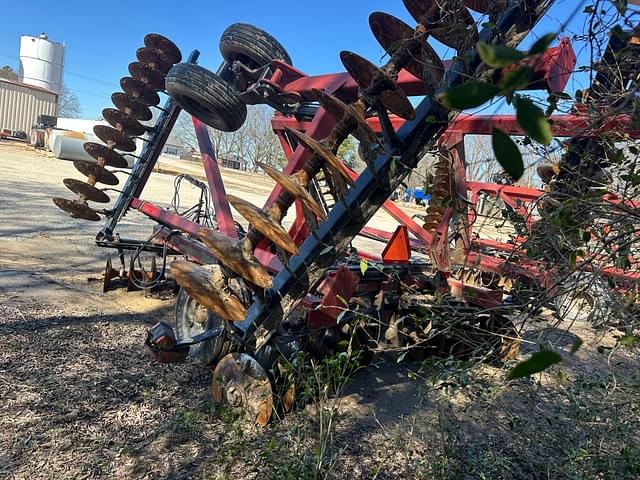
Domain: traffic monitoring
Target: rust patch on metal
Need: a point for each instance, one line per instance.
(295, 189)
(103, 153)
(206, 285)
(154, 59)
(164, 46)
(86, 190)
(316, 147)
(123, 122)
(114, 138)
(151, 77)
(240, 381)
(231, 254)
(263, 223)
(101, 174)
(139, 90)
(132, 106)
(77, 209)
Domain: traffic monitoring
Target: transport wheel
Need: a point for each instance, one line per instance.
(251, 46)
(206, 96)
(193, 319)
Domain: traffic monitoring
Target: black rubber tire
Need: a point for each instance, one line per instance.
(206, 96)
(251, 46)
(586, 299)
(209, 351)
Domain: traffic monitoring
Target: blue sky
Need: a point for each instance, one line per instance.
(101, 37)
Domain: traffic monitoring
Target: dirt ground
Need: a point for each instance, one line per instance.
(79, 399)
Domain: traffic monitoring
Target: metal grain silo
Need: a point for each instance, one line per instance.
(41, 62)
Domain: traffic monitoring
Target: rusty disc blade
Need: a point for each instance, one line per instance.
(154, 59)
(320, 150)
(231, 254)
(123, 122)
(263, 223)
(164, 46)
(360, 69)
(338, 109)
(151, 77)
(91, 169)
(86, 190)
(397, 102)
(294, 188)
(110, 157)
(449, 22)
(77, 209)
(207, 287)
(392, 33)
(241, 382)
(131, 106)
(418, 8)
(114, 138)
(138, 90)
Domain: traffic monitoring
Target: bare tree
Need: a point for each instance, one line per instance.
(68, 104)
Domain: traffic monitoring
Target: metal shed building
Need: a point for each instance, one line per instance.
(21, 104)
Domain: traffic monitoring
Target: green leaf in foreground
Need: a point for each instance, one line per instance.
(538, 362)
(499, 56)
(507, 153)
(469, 95)
(364, 265)
(531, 118)
(542, 44)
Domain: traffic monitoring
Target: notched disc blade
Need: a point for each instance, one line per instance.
(114, 138)
(102, 152)
(392, 33)
(240, 381)
(88, 191)
(363, 72)
(163, 45)
(123, 122)
(131, 106)
(101, 174)
(154, 59)
(319, 149)
(138, 90)
(207, 286)
(449, 22)
(296, 190)
(153, 78)
(263, 223)
(77, 209)
(360, 69)
(230, 253)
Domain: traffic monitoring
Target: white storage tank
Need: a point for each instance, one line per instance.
(41, 62)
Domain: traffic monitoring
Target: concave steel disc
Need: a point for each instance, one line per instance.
(448, 21)
(154, 58)
(153, 78)
(77, 209)
(240, 381)
(164, 45)
(139, 90)
(115, 138)
(110, 157)
(131, 106)
(88, 191)
(101, 174)
(363, 72)
(391, 32)
(486, 6)
(123, 122)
